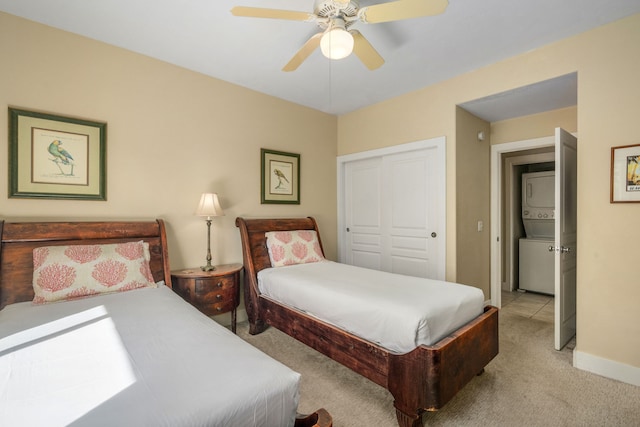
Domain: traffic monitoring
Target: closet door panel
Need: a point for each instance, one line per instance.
(406, 218)
(363, 182)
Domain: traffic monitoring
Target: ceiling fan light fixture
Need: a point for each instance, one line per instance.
(336, 42)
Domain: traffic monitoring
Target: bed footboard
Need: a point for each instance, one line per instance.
(428, 377)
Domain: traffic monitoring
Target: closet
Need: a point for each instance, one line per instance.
(392, 207)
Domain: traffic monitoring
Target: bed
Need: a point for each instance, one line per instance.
(423, 379)
(140, 356)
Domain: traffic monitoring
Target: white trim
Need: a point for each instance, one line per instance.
(606, 368)
(439, 143)
(496, 201)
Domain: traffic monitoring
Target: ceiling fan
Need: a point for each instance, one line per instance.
(335, 17)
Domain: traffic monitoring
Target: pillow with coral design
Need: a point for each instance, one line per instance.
(293, 247)
(75, 271)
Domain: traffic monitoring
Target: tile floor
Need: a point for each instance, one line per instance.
(528, 304)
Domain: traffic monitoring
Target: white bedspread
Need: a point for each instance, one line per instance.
(137, 358)
(395, 311)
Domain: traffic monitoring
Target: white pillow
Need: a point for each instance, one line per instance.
(293, 247)
(75, 271)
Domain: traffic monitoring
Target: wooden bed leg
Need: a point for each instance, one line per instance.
(407, 420)
(257, 327)
(320, 418)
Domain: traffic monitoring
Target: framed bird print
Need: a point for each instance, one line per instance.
(280, 174)
(56, 157)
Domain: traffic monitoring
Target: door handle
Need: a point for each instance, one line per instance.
(434, 235)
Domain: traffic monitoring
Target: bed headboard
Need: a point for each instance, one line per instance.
(254, 242)
(20, 238)
(256, 255)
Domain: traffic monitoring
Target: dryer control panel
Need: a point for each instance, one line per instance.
(538, 213)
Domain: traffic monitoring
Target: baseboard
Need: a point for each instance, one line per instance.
(606, 368)
(241, 315)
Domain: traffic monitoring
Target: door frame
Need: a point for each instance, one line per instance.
(497, 151)
(439, 144)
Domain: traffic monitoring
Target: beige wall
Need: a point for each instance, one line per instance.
(171, 135)
(534, 125)
(607, 62)
(473, 204)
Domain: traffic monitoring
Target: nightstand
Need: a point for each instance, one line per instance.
(212, 292)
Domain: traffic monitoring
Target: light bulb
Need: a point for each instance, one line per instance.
(337, 43)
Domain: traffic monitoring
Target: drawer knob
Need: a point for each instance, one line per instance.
(219, 284)
(218, 308)
(218, 297)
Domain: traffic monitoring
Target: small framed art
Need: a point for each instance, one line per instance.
(56, 157)
(625, 174)
(280, 177)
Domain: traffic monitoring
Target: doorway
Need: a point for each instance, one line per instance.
(498, 221)
(514, 165)
(563, 246)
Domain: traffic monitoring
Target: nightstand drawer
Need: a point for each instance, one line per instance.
(205, 289)
(219, 297)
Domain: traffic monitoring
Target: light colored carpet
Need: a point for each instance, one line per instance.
(527, 384)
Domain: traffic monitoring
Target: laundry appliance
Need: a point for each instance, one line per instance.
(537, 263)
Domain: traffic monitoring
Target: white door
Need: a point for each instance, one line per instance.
(565, 237)
(362, 209)
(392, 207)
(408, 214)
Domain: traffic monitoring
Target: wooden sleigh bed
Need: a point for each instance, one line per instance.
(424, 379)
(18, 241)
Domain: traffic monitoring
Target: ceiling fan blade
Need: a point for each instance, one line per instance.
(304, 52)
(402, 9)
(258, 12)
(363, 50)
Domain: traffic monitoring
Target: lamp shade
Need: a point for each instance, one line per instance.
(209, 206)
(336, 42)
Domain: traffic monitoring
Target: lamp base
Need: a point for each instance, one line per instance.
(207, 267)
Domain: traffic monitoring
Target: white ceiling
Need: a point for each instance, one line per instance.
(203, 36)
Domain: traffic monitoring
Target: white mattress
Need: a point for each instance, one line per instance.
(394, 311)
(137, 358)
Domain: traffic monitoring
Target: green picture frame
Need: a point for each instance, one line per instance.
(56, 157)
(280, 177)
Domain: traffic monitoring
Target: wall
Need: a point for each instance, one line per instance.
(534, 125)
(172, 134)
(606, 60)
(473, 204)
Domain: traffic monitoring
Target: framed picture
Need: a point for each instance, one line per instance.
(56, 157)
(625, 174)
(280, 174)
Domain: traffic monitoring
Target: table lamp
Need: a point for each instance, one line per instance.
(209, 206)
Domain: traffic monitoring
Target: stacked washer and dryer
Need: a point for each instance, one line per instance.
(537, 263)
